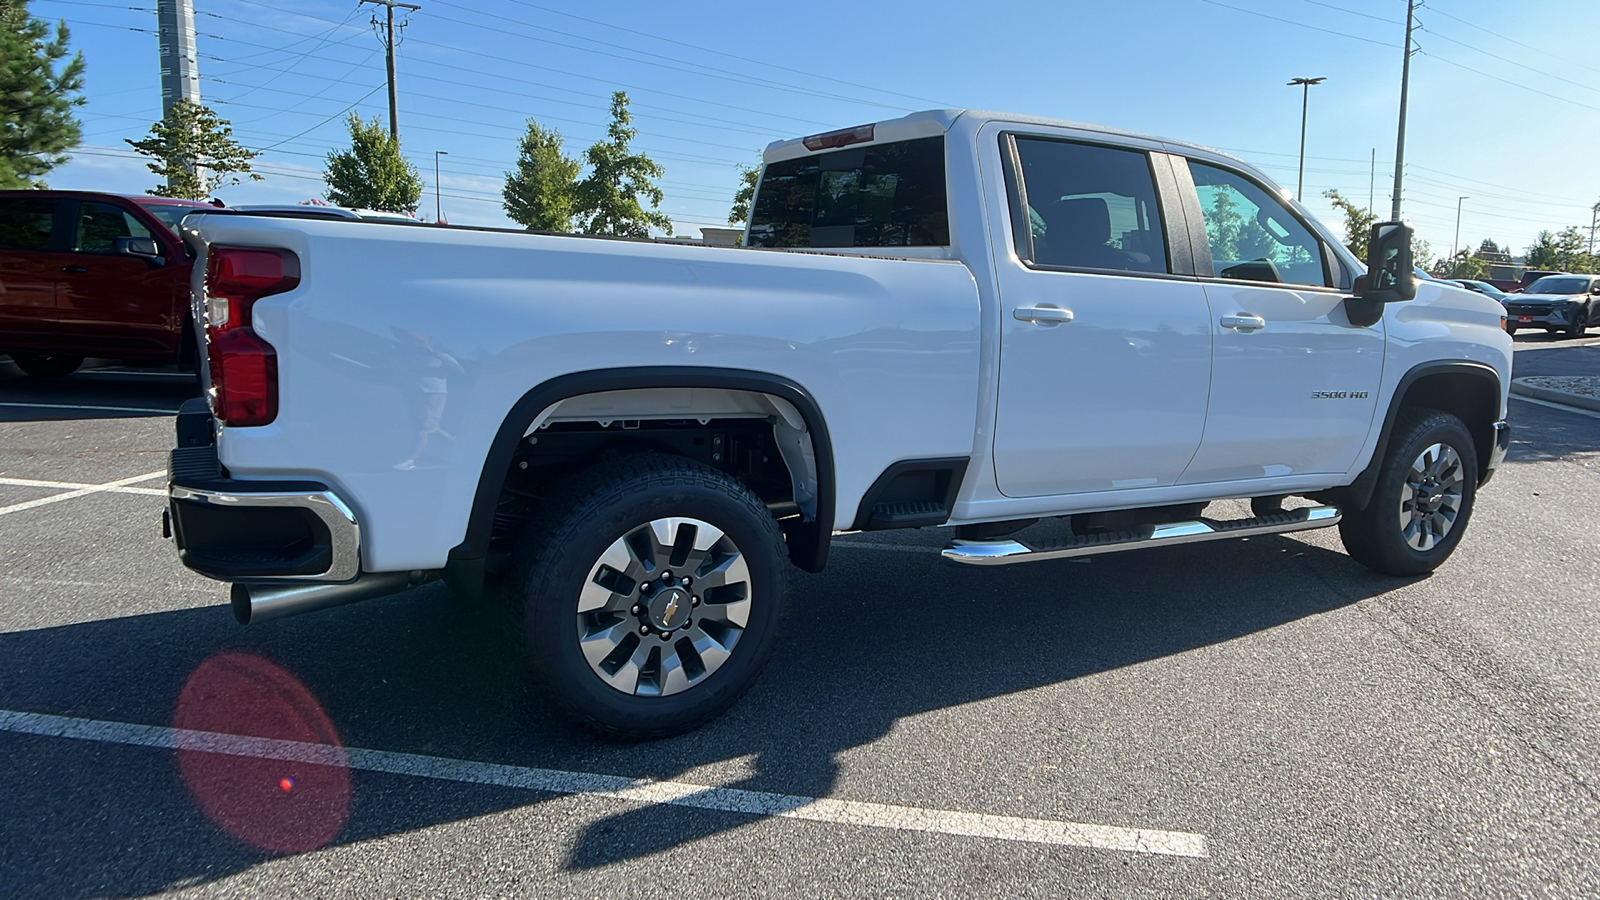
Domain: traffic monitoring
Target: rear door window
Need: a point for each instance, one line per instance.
(100, 224)
(1091, 207)
(885, 195)
(26, 222)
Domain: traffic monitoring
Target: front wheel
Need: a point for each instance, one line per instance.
(1422, 500)
(651, 594)
(1579, 324)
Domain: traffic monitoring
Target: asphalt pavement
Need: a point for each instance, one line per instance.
(1255, 718)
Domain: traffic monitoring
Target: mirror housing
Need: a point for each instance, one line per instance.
(1391, 276)
(143, 247)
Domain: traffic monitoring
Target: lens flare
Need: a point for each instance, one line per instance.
(235, 695)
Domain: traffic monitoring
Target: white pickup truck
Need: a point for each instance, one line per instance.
(954, 318)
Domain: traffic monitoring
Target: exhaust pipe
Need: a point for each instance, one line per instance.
(263, 602)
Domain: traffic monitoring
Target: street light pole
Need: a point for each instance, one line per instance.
(437, 215)
(1457, 239)
(1305, 99)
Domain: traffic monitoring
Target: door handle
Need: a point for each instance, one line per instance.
(1048, 315)
(1244, 322)
(76, 270)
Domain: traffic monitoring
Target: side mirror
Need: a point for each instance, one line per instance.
(143, 247)
(1391, 277)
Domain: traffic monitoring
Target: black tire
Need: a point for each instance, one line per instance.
(1579, 324)
(47, 365)
(562, 553)
(1376, 537)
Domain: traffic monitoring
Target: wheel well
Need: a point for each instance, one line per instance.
(1472, 398)
(772, 439)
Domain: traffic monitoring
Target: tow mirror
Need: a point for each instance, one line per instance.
(1391, 276)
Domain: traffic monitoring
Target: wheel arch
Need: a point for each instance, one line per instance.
(808, 541)
(1470, 391)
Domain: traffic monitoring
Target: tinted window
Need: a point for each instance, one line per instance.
(99, 226)
(1559, 284)
(25, 223)
(888, 195)
(1253, 236)
(1091, 207)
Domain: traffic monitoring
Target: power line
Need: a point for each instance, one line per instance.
(1342, 34)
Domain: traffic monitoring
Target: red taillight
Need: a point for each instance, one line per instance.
(244, 368)
(841, 138)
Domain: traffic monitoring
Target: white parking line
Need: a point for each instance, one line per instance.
(111, 486)
(73, 485)
(137, 409)
(671, 793)
(1561, 406)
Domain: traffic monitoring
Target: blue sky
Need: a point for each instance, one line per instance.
(1504, 110)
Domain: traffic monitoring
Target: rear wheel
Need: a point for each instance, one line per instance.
(651, 594)
(1422, 500)
(47, 365)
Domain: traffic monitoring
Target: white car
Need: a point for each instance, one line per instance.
(953, 318)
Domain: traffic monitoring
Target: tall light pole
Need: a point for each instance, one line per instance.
(1405, 87)
(1457, 239)
(436, 154)
(1305, 98)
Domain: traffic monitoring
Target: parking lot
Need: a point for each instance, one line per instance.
(1254, 718)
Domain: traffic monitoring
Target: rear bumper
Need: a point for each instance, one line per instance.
(254, 531)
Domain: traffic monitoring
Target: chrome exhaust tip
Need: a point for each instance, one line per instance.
(263, 602)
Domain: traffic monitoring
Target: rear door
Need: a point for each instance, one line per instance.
(1294, 383)
(116, 304)
(1105, 353)
(29, 267)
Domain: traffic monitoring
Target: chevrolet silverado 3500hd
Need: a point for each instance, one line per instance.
(953, 318)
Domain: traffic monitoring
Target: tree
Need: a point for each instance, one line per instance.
(746, 193)
(37, 127)
(1562, 252)
(372, 174)
(195, 152)
(1358, 223)
(608, 197)
(1463, 265)
(541, 193)
(1488, 247)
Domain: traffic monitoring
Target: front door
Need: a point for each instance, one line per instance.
(1105, 357)
(1294, 384)
(117, 304)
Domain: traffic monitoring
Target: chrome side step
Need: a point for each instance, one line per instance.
(1007, 551)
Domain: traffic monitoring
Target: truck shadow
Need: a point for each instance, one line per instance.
(882, 636)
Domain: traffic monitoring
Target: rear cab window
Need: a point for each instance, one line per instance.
(26, 223)
(882, 195)
(1089, 206)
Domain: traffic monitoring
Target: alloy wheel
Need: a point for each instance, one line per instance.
(1430, 499)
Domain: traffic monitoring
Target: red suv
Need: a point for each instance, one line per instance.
(87, 274)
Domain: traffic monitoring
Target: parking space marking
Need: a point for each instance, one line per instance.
(1561, 406)
(137, 409)
(671, 793)
(108, 487)
(73, 485)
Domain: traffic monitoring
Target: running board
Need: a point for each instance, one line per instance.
(1006, 551)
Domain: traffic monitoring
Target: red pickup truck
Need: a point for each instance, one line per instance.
(86, 274)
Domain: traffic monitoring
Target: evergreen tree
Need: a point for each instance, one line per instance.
(608, 198)
(372, 174)
(37, 127)
(1358, 223)
(541, 193)
(195, 152)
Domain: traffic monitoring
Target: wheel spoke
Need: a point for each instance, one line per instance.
(603, 641)
(613, 578)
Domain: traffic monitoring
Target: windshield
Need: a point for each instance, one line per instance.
(1559, 284)
(168, 214)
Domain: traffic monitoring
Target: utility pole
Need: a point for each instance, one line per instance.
(1593, 213)
(1305, 98)
(388, 45)
(1457, 238)
(1405, 86)
(180, 66)
(437, 215)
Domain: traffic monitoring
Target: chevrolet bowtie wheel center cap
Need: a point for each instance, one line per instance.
(669, 609)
